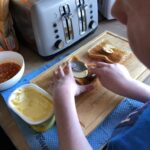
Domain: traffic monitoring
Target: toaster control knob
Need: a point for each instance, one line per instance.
(59, 44)
(92, 24)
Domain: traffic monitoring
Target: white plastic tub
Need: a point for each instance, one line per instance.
(30, 101)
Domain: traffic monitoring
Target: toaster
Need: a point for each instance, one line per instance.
(50, 26)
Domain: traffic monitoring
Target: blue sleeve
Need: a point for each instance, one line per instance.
(135, 135)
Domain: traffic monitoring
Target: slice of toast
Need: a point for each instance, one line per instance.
(107, 53)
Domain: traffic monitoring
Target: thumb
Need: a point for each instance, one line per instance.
(86, 88)
(94, 70)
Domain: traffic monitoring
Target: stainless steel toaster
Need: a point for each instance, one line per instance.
(53, 25)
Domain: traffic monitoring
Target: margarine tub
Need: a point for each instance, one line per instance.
(32, 104)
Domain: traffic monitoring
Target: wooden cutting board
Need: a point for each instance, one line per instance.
(93, 107)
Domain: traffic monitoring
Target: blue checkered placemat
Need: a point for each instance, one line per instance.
(49, 140)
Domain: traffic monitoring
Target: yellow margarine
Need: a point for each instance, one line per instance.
(32, 104)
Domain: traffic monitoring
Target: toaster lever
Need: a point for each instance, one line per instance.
(67, 22)
(82, 16)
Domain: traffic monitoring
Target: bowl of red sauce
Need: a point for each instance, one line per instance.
(11, 69)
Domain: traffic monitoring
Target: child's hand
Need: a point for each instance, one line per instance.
(64, 83)
(114, 77)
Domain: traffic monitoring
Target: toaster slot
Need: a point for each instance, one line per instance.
(67, 22)
(82, 16)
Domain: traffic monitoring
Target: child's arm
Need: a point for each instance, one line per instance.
(71, 136)
(116, 78)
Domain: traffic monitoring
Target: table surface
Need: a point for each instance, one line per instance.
(37, 61)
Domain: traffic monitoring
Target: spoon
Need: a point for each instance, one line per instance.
(80, 69)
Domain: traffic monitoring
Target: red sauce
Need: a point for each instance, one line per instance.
(8, 70)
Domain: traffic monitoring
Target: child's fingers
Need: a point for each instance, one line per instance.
(57, 74)
(60, 71)
(93, 70)
(69, 67)
(101, 64)
(52, 82)
(97, 65)
(86, 88)
(54, 77)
